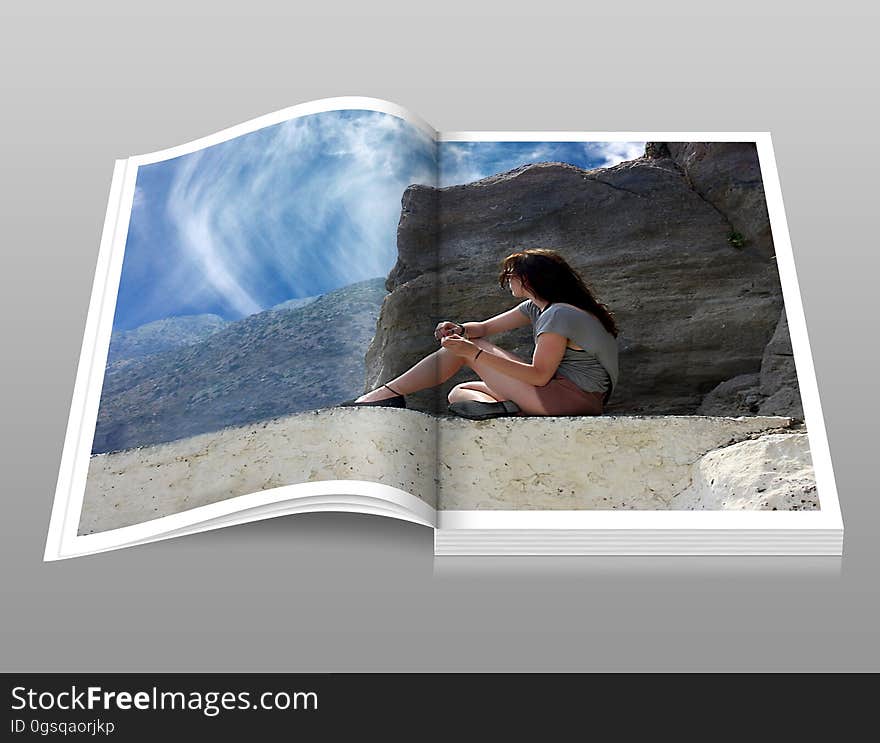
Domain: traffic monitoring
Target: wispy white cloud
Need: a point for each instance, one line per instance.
(461, 164)
(613, 153)
(311, 202)
(297, 209)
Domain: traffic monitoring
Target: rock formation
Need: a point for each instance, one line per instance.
(283, 360)
(676, 242)
(162, 335)
(771, 391)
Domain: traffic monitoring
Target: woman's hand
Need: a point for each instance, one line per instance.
(459, 346)
(446, 328)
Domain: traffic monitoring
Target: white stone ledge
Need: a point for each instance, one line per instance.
(392, 447)
(604, 462)
(624, 462)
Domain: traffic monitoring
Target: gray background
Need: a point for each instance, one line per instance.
(84, 83)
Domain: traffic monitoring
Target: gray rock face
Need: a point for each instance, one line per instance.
(779, 384)
(728, 176)
(740, 394)
(772, 391)
(676, 243)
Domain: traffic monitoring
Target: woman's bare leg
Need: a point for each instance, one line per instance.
(479, 390)
(498, 385)
(429, 372)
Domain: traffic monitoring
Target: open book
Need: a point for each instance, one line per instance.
(253, 284)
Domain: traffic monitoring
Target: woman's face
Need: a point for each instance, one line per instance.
(516, 286)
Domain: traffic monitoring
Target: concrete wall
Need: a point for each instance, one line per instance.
(394, 448)
(605, 462)
(625, 462)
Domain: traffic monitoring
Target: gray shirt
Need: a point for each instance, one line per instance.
(594, 368)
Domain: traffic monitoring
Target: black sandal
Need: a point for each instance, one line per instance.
(480, 411)
(398, 401)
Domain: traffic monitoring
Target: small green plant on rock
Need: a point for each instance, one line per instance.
(736, 239)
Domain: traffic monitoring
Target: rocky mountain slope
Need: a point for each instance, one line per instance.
(162, 335)
(173, 332)
(273, 363)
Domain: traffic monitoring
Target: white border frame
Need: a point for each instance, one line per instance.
(62, 540)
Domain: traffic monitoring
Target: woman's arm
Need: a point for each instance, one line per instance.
(549, 350)
(509, 320)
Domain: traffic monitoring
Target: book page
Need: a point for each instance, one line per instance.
(233, 317)
(653, 358)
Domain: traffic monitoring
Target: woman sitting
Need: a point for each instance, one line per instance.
(574, 367)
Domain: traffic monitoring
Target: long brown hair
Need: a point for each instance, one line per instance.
(547, 275)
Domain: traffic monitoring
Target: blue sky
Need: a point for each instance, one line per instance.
(464, 162)
(296, 209)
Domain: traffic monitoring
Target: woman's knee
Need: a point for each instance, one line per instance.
(465, 390)
(454, 394)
